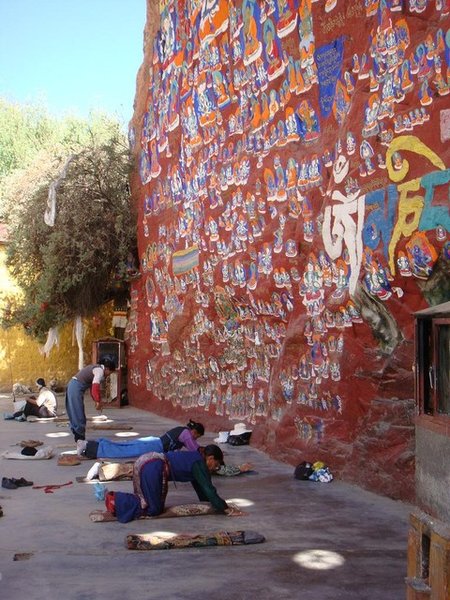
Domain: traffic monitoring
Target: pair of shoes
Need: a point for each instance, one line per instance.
(81, 447)
(9, 484)
(22, 482)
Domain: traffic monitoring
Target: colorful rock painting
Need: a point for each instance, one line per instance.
(293, 200)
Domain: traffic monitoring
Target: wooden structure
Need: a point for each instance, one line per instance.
(429, 533)
(115, 385)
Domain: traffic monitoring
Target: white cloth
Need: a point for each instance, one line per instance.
(52, 340)
(50, 211)
(42, 453)
(99, 374)
(119, 321)
(79, 334)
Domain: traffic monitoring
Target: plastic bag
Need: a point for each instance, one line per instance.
(100, 491)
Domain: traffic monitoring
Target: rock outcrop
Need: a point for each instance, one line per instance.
(292, 195)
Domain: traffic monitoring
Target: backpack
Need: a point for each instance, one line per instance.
(304, 470)
(242, 439)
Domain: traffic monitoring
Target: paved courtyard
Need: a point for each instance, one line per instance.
(323, 541)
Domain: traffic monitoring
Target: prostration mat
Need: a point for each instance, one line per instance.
(151, 541)
(181, 510)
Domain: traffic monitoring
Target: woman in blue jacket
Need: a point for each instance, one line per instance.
(174, 439)
(151, 475)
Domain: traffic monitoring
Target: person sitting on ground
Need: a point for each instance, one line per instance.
(153, 471)
(174, 439)
(43, 406)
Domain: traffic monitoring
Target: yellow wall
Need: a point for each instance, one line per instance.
(20, 358)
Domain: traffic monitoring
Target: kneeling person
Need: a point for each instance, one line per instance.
(153, 471)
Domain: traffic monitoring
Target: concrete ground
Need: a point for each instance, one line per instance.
(324, 541)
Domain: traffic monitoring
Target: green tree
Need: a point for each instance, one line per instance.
(71, 226)
(24, 130)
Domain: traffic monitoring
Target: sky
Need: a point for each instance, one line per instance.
(72, 56)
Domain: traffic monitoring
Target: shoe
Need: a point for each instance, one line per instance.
(81, 447)
(22, 482)
(8, 484)
(21, 418)
(8, 416)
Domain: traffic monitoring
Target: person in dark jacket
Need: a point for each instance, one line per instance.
(151, 475)
(88, 378)
(174, 439)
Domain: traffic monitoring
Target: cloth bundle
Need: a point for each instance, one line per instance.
(43, 453)
(115, 471)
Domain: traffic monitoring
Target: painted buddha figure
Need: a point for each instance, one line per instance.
(306, 34)
(341, 104)
(252, 45)
(223, 99)
(406, 82)
(287, 18)
(309, 124)
(270, 184)
(214, 19)
(274, 104)
(272, 51)
(371, 126)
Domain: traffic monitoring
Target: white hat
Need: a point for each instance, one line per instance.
(240, 428)
(223, 437)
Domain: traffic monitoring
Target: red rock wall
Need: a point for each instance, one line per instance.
(292, 196)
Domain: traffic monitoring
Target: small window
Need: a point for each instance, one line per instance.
(442, 365)
(433, 362)
(423, 366)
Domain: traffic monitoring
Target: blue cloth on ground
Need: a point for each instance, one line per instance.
(109, 449)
